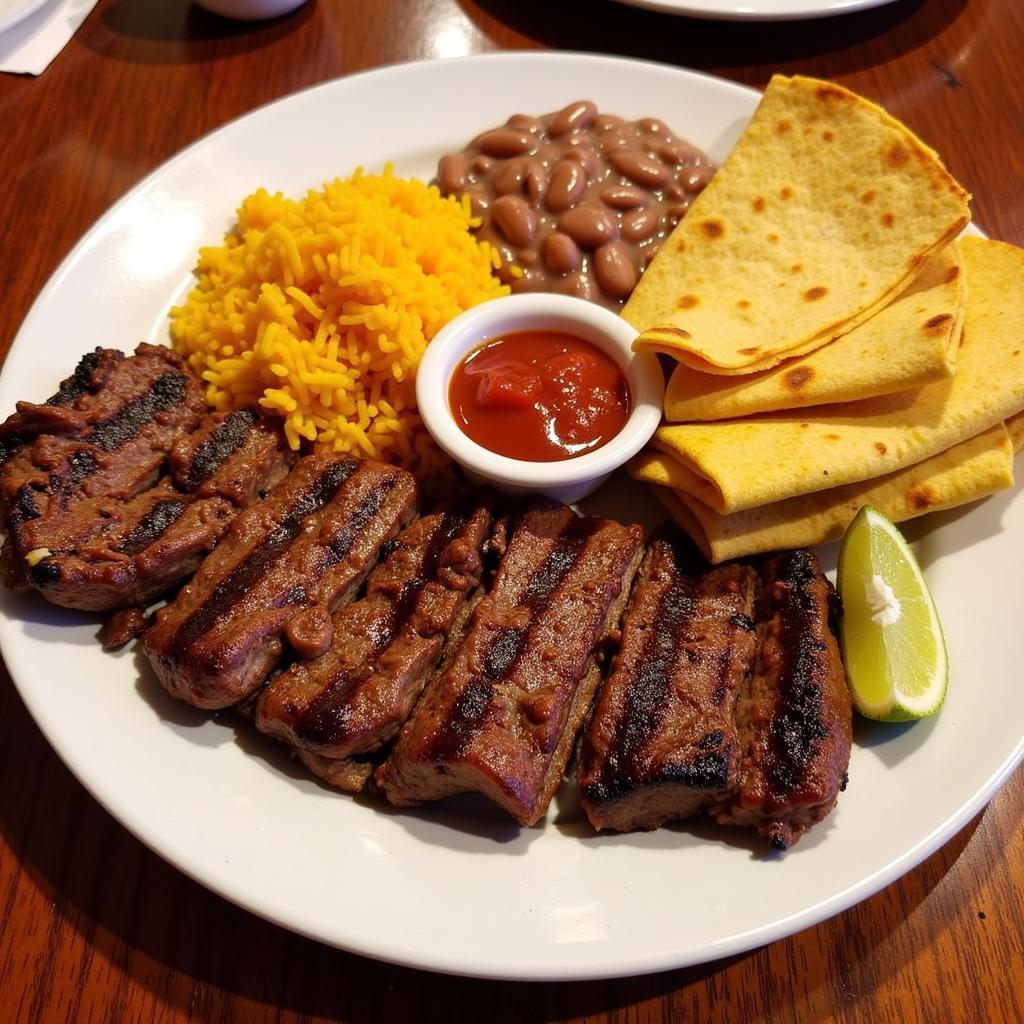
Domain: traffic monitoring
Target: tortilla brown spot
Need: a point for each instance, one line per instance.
(880, 448)
(828, 136)
(773, 237)
(688, 302)
(815, 293)
(749, 351)
(786, 193)
(712, 228)
(797, 268)
(830, 92)
(759, 204)
(805, 425)
(682, 245)
(921, 496)
(888, 219)
(954, 273)
(676, 332)
(897, 156)
(796, 378)
(832, 437)
(938, 322)
(744, 303)
(868, 197)
(783, 126)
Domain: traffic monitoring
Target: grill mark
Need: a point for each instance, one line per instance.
(80, 465)
(358, 521)
(645, 701)
(328, 714)
(509, 643)
(798, 728)
(222, 443)
(23, 506)
(12, 444)
(167, 391)
(80, 381)
(159, 518)
(274, 545)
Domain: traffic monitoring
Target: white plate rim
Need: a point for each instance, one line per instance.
(544, 964)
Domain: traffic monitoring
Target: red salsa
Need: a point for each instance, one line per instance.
(539, 396)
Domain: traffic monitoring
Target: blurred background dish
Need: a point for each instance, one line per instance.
(250, 10)
(756, 10)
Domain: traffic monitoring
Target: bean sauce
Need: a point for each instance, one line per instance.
(540, 396)
(576, 202)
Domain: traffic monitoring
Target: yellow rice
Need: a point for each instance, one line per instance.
(318, 311)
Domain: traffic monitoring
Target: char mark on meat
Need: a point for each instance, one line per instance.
(794, 714)
(662, 741)
(351, 700)
(282, 568)
(502, 715)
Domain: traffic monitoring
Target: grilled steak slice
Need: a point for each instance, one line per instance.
(67, 467)
(283, 567)
(502, 717)
(105, 552)
(794, 713)
(662, 742)
(354, 698)
(113, 446)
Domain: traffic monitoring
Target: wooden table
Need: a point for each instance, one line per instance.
(94, 926)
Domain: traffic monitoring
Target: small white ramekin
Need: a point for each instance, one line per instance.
(566, 480)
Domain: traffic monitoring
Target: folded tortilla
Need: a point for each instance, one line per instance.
(911, 342)
(826, 209)
(966, 472)
(1015, 425)
(736, 464)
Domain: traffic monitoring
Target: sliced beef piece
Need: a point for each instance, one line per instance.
(503, 715)
(284, 565)
(794, 714)
(69, 466)
(662, 741)
(354, 698)
(107, 552)
(117, 444)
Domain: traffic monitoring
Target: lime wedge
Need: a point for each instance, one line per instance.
(893, 648)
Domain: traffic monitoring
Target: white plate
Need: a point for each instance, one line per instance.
(756, 10)
(13, 11)
(456, 886)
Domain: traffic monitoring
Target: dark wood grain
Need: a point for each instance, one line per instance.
(94, 927)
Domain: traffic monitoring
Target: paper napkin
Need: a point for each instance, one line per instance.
(28, 47)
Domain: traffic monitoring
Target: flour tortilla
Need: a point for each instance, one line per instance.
(738, 464)
(966, 472)
(911, 342)
(826, 209)
(1015, 425)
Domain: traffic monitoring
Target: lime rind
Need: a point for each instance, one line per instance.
(897, 672)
